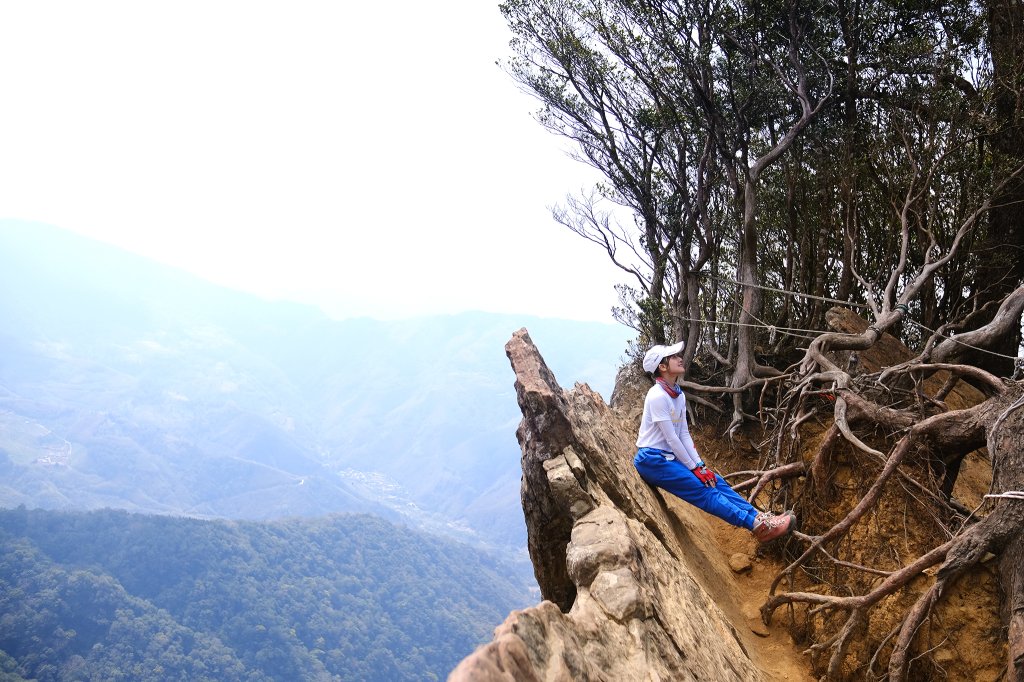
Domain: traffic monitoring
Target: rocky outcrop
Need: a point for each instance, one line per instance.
(626, 573)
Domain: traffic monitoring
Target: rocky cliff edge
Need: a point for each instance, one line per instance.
(633, 585)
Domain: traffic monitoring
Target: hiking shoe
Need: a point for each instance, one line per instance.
(768, 526)
(795, 525)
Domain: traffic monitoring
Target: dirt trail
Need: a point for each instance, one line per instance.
(770, 647)
(741, 591)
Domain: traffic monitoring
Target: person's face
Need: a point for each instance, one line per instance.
(673, 364)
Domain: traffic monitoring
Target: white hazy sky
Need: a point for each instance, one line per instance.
(367, 157)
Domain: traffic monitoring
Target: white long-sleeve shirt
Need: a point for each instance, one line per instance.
(664, 427)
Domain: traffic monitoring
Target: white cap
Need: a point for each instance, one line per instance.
(658, 353)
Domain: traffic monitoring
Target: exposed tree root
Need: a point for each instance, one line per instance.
(762, 478)
(939, 440)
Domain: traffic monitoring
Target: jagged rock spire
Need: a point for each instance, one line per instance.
(624, 572)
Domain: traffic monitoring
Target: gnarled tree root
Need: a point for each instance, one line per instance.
(1001, 533)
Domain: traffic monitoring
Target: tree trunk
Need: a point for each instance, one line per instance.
(1006, 444)
(746, 274)
(1001, 250)
(849, 14)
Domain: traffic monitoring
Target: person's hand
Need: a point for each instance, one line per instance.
(705, 475)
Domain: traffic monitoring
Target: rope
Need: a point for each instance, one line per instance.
(784, 330)
(789, 331)
(1010, 495)
(902, 306)
(785, 291)
(1017, 358)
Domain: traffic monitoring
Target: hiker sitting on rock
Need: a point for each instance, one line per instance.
(666, 457)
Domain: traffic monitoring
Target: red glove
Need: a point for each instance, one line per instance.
(705, 475)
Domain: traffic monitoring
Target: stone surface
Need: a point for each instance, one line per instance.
(626, 573)
(754, 622)
(740, 563)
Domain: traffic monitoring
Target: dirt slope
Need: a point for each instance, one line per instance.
(964, 640)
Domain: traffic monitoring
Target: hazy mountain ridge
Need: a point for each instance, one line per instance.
(154, 391)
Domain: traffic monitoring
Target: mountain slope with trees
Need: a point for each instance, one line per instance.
(764, 162)
(117, 596)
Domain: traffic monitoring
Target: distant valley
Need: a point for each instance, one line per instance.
(130, 385)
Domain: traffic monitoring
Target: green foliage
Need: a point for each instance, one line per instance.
(693, 114)
(115, 596)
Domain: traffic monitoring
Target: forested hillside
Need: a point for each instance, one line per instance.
(109, 595)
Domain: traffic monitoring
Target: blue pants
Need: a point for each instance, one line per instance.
(673, 476)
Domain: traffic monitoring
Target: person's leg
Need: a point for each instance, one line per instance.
(674, 477)
(734, 497)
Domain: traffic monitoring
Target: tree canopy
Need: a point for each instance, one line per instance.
(765, 162)
(851, 151)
